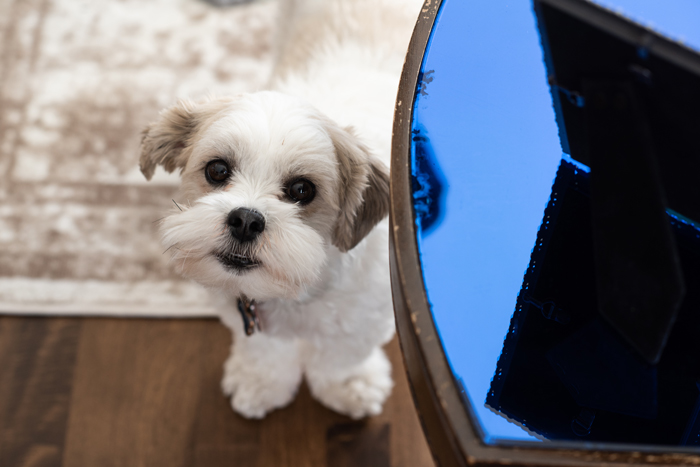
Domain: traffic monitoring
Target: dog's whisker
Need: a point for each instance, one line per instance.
(176, 256)
(158, 220)
(178, 206)
(260, 246)
(185, 259)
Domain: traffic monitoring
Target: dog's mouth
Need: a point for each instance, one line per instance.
(237, 261)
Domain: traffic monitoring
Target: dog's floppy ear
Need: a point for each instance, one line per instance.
(164, 141)
(364, 189)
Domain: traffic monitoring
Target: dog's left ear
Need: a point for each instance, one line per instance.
(164, 141)
(168, 140)
(364, 189)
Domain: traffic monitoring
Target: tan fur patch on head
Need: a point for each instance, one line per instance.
(168, 140)
(363, 191)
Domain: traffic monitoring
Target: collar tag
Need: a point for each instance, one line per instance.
(247, 308)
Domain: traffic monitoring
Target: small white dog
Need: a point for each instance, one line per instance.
(284, 207)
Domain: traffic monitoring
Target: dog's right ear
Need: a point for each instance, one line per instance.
(364, 189)
(167, 141)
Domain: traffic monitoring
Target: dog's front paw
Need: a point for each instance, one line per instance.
(256, 390)
(360, 394)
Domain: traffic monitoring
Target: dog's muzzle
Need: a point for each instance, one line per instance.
(245, 225)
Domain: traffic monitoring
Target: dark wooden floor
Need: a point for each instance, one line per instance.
(116, 392)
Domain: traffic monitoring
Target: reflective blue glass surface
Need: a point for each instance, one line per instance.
(485, 155)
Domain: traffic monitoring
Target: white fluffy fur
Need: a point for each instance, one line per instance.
(325, 313)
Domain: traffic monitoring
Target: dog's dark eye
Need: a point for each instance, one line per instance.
(301, 190)
(217, 172)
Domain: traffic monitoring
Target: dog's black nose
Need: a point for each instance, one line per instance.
(245, 224)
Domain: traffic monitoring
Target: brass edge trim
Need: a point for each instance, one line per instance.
(410, 302)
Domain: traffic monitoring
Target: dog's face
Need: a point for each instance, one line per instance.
(269, 186)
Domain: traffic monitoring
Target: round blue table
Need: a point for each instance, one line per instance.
(477, 158)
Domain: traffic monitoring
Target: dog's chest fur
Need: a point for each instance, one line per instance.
(352, 298)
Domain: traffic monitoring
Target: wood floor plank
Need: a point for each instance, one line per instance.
(408, 444)
(222, 438)
(113, 392)
(136, 392)
(296, 435)
(358, 443)
(37, 359)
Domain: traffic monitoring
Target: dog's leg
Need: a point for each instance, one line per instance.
(356, 389)
(261, 374)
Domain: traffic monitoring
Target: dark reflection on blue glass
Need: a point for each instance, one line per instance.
(428, 183)
(564, 373)
(600, 373)
(485, 155)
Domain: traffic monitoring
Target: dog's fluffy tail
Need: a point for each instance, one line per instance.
(305, 26)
